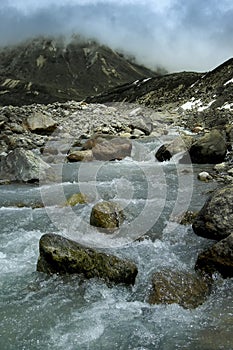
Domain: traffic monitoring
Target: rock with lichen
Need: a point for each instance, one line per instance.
(63, 256)
(76, 198)
(107, 215)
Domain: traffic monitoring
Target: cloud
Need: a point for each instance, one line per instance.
(176, 34)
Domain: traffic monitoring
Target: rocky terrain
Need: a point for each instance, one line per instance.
(77, 121)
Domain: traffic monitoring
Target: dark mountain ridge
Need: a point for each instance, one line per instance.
(45, 70)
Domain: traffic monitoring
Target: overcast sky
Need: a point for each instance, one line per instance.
(176, 34)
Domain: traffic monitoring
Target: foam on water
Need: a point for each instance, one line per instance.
(66, 312)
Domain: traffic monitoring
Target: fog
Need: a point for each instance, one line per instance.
(175, 34)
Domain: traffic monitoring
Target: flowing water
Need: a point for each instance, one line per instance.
(66, 312)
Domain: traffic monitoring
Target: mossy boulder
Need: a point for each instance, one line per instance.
(186, 289)
(76, 198)
(107, 215)
(63, 256)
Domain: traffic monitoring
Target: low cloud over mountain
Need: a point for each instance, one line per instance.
(175, 34)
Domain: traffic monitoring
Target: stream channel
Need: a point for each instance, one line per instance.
(67, 312)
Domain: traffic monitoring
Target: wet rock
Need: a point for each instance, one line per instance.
(186, 289)
(80, 156)
(41, 123)
(210, 148)
(107, 215)
(186, 218)
(163, 154)
(180, 144)
(63, 256)
(113, 149)
(23, 165)
(77, 198)
(218, 258)
(215, 219)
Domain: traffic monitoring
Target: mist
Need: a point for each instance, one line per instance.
(177, 34)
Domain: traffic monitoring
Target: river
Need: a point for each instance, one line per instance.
(66, 312)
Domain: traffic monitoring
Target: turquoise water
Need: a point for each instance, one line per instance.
(42, 312)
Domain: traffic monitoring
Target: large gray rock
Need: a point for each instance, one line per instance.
(115, 148)
(63, 256)
(143, 124)
(23, 165)
(107, 215)
(41, 123)
(168, 150)
(218, 258)
(215, 219)
(210, 148)
(186, 289)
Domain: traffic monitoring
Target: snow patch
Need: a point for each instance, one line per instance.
(145, 80)
(227, 106)
(196, 104)
(190, 104)
(228, 82)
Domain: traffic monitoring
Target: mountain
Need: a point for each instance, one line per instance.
(197, 98)
(214, 86)
(44, 70)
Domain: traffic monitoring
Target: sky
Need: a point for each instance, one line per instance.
(177, 35)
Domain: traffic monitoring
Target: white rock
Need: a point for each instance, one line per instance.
(204, 176)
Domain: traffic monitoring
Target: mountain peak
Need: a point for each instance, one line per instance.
(51, 69)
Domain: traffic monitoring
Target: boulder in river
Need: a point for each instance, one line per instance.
(163, 154)
(210, 148)
(215, 219)
(23, 165)
(168, 150)
(63, 256)
(107, 215)
(186, 289)
(218, 258)
(116, 148)
(80, 156)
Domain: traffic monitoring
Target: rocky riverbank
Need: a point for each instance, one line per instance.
(34, 137)
(54, 130)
